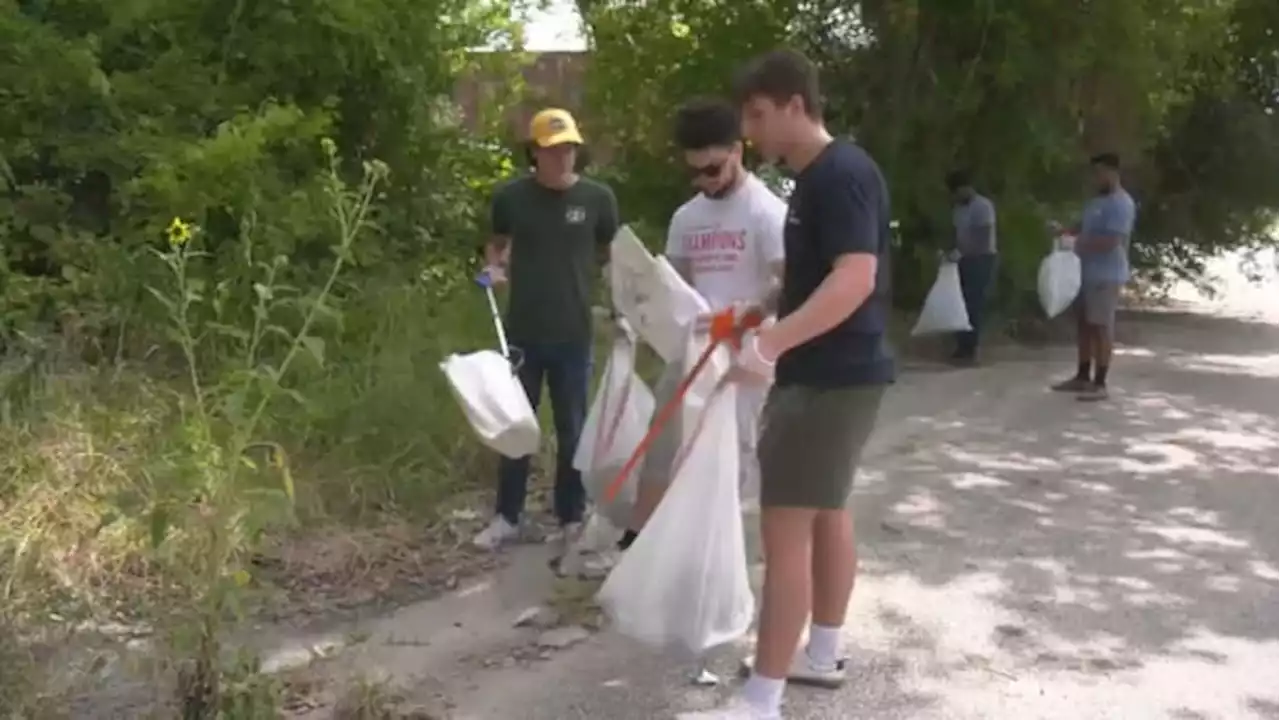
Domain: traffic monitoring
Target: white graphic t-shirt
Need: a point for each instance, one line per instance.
(730, 242)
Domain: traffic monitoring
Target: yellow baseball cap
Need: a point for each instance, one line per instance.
(554, 126)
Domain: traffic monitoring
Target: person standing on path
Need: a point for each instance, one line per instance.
(974, 218)
(830, 361)
(726, 242)
(1102, 243)
(551, 231)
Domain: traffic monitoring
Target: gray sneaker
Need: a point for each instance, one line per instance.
(804, 672)
(1095, 393)
(497, 533)
(597, 566)
(566, 556)
(1074, 385)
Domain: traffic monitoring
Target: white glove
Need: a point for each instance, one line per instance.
(751, 366)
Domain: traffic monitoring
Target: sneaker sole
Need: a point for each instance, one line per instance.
(498, 544)
(746, 666)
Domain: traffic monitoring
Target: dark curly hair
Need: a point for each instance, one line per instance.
(706, 122)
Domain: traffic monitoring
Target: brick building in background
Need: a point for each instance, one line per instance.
(553, 79)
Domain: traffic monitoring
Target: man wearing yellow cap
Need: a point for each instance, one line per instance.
(551, 230)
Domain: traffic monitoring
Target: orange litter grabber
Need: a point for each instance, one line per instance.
(726, 326)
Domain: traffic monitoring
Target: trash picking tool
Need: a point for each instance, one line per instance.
(726, 327)
(488, 389)
(485, 281)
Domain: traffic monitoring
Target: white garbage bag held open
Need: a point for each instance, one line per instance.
(944, 310)
(1059, 279)
(651, 295)
(491, 395)
(683, 585)
(616, 423)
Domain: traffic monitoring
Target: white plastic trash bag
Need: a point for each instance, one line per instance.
(1059, 281)
(683, 585)
(494, 402)
(750, 404)
(616, 423)
(944, 310)
(651, 295)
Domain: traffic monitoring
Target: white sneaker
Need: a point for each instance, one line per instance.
(566, 556)
(597, 566)
(735, 709)
(803, 671)
(498, 531)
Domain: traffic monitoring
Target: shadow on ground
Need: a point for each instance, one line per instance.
(1109, 538)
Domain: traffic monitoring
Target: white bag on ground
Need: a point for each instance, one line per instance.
(1059, 281)
(944, 310)
(616, 423)
(494, 402)
(683, 585)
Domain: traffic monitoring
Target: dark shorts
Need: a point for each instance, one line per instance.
(1097, 303)
(811, 443)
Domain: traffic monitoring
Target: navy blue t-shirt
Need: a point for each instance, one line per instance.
(840, 205)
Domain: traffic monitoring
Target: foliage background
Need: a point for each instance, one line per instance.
(115, 117)
(1019, 93)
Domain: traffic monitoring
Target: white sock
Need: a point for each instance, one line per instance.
(824, 647)
(764, 694)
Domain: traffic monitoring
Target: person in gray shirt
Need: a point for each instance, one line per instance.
(1102, 242)
(974, 249)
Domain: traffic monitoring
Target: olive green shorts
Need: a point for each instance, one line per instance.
(811, 442)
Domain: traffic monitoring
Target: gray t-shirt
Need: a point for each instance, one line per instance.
(975, 223)
(1112, 215)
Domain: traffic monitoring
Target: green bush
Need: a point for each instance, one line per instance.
(236, 241)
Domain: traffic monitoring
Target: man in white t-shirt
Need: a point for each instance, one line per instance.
(727, 243)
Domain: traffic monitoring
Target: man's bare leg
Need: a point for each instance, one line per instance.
(1102, 350)
(834, 568)
(1084, 353)
(648, 497)
(787, 535)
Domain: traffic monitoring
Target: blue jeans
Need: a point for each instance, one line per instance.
(977, 275)
(567, 370)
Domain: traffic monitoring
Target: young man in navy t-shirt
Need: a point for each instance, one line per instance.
(830, 362)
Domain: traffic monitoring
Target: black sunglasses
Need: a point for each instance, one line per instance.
(708, 171)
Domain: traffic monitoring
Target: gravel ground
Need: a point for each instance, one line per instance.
(1024, 556)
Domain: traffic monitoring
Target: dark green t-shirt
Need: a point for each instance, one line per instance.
(558, 240)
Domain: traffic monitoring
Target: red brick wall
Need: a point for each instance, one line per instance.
(553, 79)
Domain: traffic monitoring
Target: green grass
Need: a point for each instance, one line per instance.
(374, 436)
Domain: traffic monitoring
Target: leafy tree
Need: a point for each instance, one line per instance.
(1020, 93)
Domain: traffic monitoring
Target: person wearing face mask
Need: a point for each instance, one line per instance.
(551, 229)
(726, 242)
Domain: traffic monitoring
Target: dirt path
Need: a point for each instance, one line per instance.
(1024, 556)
